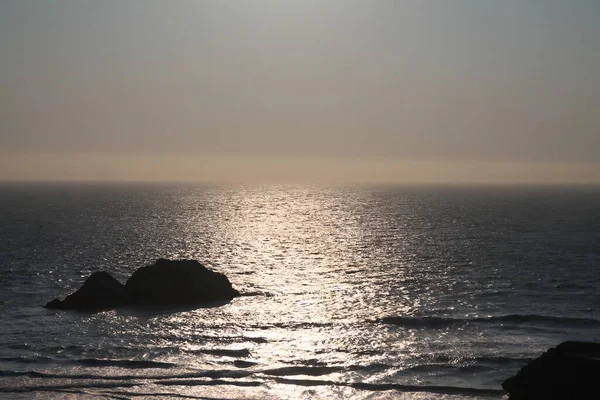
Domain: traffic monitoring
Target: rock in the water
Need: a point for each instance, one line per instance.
(164, 283)
(567, 371)
(178, 282)
(99, 291)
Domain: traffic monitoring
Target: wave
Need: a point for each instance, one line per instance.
(444, 322)
(91, 362)
(374, 368)
(431, 368)
(231, 377)
(256, 293)
(212, 374)
(438, 358)
(294, 325)
(222, 339)
(122, 363)
(495, 360)
(120, 395)
(70, 386)
(244, 364)
(248, 368)
(29, 360)
(212, 382)
(160, 395)
(450, 390)
(134, 364)
(300, 370)
(523, 318)
(222, 352)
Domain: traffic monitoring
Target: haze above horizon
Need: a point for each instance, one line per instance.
(328, 90)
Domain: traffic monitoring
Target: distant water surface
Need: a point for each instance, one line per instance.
(364, 292)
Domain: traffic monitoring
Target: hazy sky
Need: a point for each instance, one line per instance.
(123, 89)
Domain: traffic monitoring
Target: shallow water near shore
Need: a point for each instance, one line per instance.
(361, 292)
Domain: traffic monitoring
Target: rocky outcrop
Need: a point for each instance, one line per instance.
(567, 371)
(164, 283)
(181, 282)
(99, 291)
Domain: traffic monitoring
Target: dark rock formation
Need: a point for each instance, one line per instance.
(164, 283)
(567, 371)
(99, 291)
(178, 282)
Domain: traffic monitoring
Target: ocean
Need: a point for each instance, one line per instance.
(372, 292)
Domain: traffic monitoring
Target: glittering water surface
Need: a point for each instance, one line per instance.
(381, 292)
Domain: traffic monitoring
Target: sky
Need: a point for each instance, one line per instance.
(332, 90)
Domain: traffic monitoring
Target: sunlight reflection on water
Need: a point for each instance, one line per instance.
(316, 254)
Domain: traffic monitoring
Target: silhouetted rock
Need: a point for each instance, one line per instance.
(178, 282)
(164, 283)
(567, 371)
(99, 291)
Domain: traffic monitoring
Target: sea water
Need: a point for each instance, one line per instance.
(358, 292)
